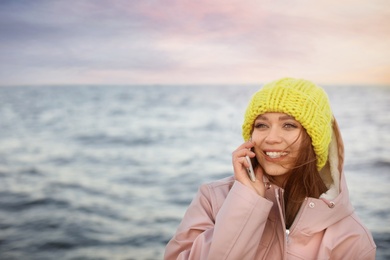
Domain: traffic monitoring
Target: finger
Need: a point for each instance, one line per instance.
(246, 145)
(241, 161)
(243, 152)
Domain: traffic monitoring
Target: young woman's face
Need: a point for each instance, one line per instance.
(277, 139)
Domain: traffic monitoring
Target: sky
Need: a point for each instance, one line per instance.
(44, 42)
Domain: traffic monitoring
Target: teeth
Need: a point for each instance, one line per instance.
(274, 155)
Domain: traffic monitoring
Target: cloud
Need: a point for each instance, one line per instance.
(186, 41)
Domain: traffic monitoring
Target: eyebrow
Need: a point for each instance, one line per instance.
(282, 118)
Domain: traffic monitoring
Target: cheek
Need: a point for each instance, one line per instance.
(295, 142)
(257, 137)
(257, 148)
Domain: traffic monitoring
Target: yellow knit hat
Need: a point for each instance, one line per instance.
(303, 100)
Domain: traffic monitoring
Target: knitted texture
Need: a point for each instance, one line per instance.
(301, 99)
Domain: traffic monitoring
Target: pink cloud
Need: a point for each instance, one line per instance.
(178, 41)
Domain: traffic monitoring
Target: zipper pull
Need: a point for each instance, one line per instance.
(287, 233)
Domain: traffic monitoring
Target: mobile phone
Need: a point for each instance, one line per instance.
(250, 171)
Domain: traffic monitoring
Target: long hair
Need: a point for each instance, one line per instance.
(303, 179)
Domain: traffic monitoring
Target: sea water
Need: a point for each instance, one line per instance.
(107, 172)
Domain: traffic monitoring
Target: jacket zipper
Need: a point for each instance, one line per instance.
(279, 193)
(280, 199)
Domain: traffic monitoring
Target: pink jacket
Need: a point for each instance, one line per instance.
(227, 220)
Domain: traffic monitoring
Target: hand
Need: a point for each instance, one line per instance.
(240, 165)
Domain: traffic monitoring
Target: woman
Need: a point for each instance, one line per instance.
(298, 205)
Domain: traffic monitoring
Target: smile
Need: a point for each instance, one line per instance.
(275, 155)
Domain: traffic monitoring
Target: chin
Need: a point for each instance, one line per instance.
(275, 170)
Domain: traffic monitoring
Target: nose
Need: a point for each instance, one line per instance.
(273, 136)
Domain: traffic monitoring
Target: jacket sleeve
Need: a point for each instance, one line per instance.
(235, 233)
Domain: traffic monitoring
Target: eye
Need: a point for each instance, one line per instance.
(260, 125)
(290, 125)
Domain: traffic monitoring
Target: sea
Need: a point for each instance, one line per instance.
(107, 172)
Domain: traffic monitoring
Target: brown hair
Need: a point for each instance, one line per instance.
(303, 179)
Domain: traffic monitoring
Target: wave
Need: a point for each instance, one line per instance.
(382, 163)
(112, 141)
(23, 201)
(23, 171)
(378, 165)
